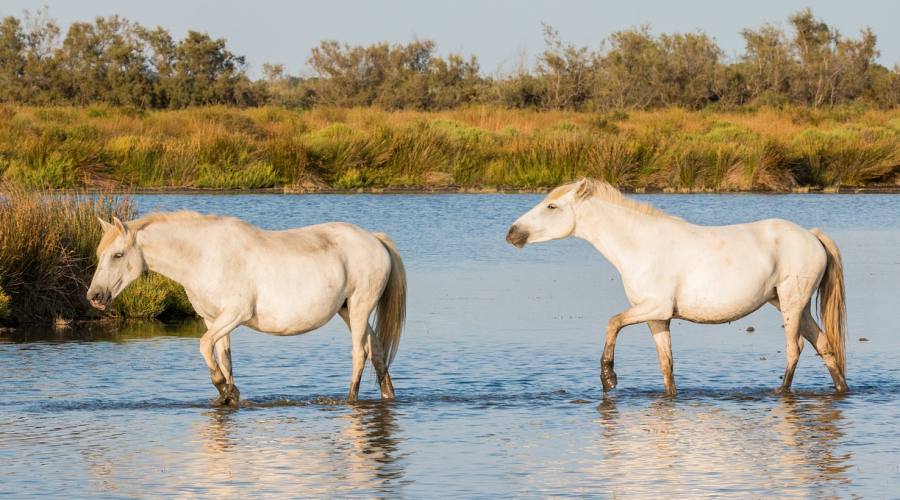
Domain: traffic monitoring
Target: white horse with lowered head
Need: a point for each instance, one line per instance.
(671, 268)
(279, 282)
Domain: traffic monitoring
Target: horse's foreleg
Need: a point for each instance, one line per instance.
(228, 392)
(793, 347)
(663, 338)
(639, 313)
(216, 331)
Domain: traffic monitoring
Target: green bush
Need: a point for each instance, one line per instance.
(153, 296)
(256, 175)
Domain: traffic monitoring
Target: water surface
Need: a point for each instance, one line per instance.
(497, 378)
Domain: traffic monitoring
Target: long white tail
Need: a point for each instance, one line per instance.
(832, 306)
(391, 311)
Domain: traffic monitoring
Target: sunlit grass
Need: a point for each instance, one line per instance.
(47, 258)
(227, 148)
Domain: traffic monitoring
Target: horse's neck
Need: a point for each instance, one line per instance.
(616, 232)
(172, 250)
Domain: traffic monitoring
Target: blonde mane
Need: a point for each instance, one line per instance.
(592, 188)
(137, 224)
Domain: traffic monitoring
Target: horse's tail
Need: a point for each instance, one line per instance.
(832, 306)
(391, 311)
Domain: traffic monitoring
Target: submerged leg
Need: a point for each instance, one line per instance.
(663, 338)
(793, 347)
(359, 329)
(216, 330)
(811, 331)
(379, 362)
(639, 313)
(228, 393)
(217, 376)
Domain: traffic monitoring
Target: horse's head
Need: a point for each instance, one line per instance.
(119, 262)
(551, 219)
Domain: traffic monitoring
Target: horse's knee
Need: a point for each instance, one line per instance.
(207, 346)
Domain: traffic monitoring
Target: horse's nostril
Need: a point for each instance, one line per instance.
(98, 299)
(516, 236)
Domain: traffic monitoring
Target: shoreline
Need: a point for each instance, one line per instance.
(412, 190)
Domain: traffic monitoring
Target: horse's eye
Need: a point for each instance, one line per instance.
(552, 206)
(118, 255)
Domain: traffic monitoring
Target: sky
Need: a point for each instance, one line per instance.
(501, 33)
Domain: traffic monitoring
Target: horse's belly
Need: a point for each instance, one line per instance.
(297, 312)
(721, 305)
(281, 323)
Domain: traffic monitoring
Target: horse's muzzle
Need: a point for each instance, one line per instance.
(99, 299)
(516, 236)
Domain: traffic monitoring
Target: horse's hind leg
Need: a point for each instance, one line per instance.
(811, 331)
(374, 351)
(793, 346)
(359, 332)
(379, 362)
(663, 338)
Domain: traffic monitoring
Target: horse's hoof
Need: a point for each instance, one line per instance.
(231, 396)
(609, 380)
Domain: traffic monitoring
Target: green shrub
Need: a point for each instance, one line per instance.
(153, 296)
(256, 175)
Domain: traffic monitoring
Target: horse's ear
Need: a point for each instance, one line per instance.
(105, 225)
(584, 188)
(124, 229)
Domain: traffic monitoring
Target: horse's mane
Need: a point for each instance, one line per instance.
(137, 224)
(606, 192)
(141, 223)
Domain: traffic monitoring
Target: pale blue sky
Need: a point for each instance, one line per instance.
(497, 31)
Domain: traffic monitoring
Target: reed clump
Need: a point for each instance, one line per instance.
(768, 148)
(47, 259)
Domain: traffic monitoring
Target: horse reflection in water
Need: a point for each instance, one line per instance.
(360, 456)
(702, 448)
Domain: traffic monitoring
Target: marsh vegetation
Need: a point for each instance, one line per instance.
(47, 245)
(774, 149)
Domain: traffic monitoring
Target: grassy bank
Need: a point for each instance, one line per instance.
(47, 258)
(327, 148)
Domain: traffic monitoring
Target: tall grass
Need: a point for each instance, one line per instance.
(47, 258)
(334, 148)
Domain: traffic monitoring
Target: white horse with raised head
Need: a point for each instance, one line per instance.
(279, 282)
(671, 268)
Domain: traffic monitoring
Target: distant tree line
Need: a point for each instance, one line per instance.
(118, 62)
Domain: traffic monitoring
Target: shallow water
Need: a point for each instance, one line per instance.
(497, 378)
